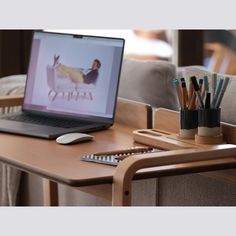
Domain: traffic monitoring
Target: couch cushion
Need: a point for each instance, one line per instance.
(195, 190)
(12, 85)
(149, 82)
(228, 106)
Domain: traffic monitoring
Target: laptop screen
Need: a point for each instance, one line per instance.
(73, 75)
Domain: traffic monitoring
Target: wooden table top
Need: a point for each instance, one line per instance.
(62, 163)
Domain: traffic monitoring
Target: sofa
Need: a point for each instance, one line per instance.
(148, 82)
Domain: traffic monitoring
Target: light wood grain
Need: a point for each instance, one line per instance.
(161, 139)
(134, 114)
(165, 119)
(9, 101)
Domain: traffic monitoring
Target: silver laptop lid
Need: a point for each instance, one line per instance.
(74, 76)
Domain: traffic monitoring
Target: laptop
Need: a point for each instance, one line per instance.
(71, 85)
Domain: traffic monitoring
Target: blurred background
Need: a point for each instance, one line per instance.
(214, 49)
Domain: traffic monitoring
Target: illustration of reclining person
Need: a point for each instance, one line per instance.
(79, 76)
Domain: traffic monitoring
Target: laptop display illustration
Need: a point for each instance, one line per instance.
(71, 85)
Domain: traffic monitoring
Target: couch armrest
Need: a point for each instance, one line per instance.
(10, 101)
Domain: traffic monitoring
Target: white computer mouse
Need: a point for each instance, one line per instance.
(73, 138)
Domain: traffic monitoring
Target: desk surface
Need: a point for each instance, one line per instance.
(62, 163)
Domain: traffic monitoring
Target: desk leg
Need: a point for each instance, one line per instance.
(50, 193)
(121, 192)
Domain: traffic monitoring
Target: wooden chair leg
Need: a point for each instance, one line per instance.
(50, 193)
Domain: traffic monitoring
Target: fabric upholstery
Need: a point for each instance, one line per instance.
(195, 190)
(228, 106)
(143, 194)
(149, 82)
(30, 191)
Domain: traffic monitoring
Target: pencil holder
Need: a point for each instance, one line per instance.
(209, 131)
(188, 123)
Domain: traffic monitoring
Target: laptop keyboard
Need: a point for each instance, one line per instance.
(41, 120)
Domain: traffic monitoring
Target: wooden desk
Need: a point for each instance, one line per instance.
(39, 158)
(62, 164)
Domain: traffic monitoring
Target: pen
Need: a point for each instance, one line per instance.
(196, 88)
(192, 104)
(217, 93)
(214, 82)
(179, 93)
(201, 86)
(182, 80)
(208, 101)
(190, 90)
(206, 86)
(124, 151)
(220, 97)
(184, 95)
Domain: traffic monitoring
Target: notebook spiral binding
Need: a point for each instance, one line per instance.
(116, 156)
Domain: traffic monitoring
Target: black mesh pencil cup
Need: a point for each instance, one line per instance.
(209, 129)
(188, 123)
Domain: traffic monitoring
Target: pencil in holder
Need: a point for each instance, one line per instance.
(209, 130)
(188, 123)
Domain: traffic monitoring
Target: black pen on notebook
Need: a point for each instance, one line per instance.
(197, 91)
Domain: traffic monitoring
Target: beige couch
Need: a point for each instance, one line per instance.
(149, 82)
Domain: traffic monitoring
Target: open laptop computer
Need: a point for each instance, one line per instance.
(71, 85)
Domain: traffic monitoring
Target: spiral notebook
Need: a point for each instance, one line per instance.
(116, 156)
